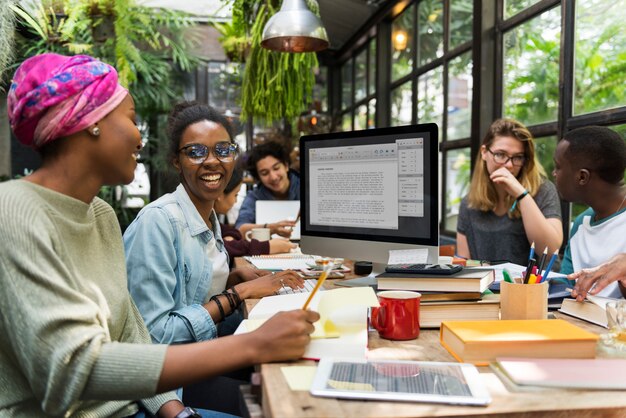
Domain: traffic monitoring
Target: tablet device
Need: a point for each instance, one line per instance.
(398, 380)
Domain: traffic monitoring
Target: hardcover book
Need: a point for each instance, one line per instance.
(467, 280)
(481, 342)
(593, 309)
(432, 314)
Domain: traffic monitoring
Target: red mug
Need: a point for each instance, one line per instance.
(398, 317)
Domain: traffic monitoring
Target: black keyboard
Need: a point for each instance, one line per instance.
(424, 268)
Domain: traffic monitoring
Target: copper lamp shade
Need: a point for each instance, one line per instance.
(294, 28)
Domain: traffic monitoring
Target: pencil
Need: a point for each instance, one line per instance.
(320, 282)
(532, 251)
(542, 261)
(552, 259)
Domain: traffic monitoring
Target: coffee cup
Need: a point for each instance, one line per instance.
(259, 234)
(398, 316)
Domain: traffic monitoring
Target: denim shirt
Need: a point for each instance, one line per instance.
(247, 213)
(169, 273)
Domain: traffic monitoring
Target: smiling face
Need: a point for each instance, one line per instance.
(274, 175)
(119, 143)
(204, 182)
(507, 145)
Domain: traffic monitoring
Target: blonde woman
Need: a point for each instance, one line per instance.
(511, 203)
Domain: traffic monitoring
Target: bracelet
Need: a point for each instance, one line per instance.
(235, 295)
(520, 197)
(231, 300)
(219, 306)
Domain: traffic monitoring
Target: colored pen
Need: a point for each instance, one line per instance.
(507, 276)
(529, 269)
(532, 279)
(532, 251)
(542, 261)
(552, 260)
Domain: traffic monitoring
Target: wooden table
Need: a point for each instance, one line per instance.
(278, 400)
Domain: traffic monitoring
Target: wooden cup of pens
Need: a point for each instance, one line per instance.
(523, 300)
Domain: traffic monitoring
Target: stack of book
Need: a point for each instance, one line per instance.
(462, 295)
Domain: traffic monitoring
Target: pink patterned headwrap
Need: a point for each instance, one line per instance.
(52, 96)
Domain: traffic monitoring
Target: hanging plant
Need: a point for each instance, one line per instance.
(276, 85)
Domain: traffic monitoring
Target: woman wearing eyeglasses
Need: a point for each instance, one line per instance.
(511, 203)
(177, 264)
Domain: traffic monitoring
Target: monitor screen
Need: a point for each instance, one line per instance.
(364, 193)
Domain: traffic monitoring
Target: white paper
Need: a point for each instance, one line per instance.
(413, 256)
(515, 270)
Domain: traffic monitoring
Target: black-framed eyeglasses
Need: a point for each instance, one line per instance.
(503, 158)
(198, 153)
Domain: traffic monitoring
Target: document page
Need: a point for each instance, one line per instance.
(348, 184)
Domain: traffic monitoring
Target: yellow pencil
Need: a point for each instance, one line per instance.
(320, 282)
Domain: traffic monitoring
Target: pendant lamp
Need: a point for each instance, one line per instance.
(294, 29)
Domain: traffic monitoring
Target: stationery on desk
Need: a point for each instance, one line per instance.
(281, 262)
(433, 313)
(342, 328)
(467, 280)
(592, 309)
(481, 342)
(528, 374)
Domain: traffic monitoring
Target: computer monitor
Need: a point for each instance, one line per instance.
(363, 193)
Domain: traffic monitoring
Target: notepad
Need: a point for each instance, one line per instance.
(341, 329)
(281, 262)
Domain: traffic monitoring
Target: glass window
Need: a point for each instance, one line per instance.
(513, 7)
(461, 13)
(371, 114)
(600, 54)
(457, 180)
(346, 122)
(360, 76)
(360, 118)
(320, 89)
(430, 35)
(346, 85)
(402, 34)
(531, 69)
(371, 82)
(430, 98)
(544, 149)
(402, 105)
(460, 85)
(224, 85)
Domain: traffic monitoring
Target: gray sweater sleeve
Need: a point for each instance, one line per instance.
(56, 326)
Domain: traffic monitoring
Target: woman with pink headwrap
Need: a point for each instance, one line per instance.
(73, 341)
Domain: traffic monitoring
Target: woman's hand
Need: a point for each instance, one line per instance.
(284, 336)
(281, 245)
(282, 228)
(504, 178)
(595, 279)
(269, 284)
(245, 274)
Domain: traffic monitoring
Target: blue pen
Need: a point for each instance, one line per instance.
(532, 251)
(549, 268)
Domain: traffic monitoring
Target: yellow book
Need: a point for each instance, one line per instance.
(480, 342)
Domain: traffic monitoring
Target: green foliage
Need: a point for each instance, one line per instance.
(147, 46)
(7, 19)
(276, 85)
(234, 40)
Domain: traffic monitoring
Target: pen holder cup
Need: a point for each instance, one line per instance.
(523, 301)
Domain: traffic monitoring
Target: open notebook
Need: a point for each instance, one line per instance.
(342, 328)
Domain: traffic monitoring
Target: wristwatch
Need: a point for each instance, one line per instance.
(187, 413)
